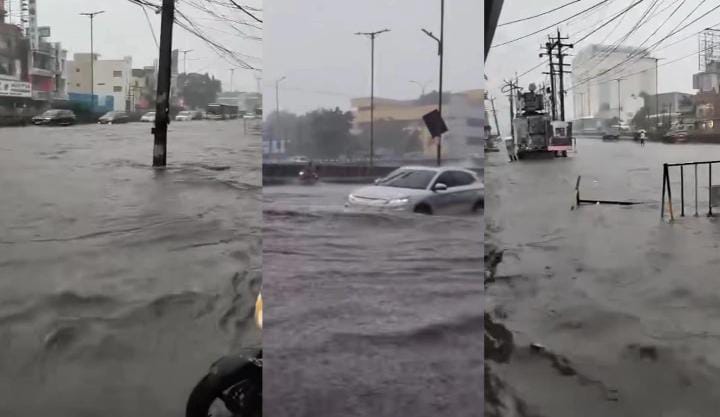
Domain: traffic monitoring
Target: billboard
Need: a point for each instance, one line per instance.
(15, 89)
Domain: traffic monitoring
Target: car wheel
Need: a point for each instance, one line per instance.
(423, 209)
(478, 206)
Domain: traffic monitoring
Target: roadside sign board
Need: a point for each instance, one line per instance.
(435, 123)
(15, 89)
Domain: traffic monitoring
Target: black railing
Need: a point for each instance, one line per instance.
(667, 189)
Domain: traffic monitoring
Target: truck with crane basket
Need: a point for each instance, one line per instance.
(534, 131)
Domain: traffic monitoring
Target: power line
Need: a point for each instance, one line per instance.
(245, 11)
(648, 50)
(551, 26)
(538, 15)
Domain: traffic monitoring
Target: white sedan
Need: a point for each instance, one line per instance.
(185, 116)
(425, 190)
(148, 117)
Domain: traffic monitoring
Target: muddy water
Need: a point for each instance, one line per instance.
(624, 306)
(119, 285)
(369, 314)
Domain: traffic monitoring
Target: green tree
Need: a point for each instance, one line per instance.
(198, 90)
(393, 136)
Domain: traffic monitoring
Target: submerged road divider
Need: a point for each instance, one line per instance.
(579, 201)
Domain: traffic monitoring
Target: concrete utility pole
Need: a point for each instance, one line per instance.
(557, 89)
(232, 78)
(372, 36)
(561, 70)
(509, 88)
(162, 111)
(441, 53)
(92, 15)
(497, 125)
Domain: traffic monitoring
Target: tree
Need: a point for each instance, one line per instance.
(330, 132)
(395, 136)
(198, 90)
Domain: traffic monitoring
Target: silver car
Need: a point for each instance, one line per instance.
(425, 190)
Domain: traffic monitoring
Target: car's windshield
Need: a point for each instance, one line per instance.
(51, 113)
(417, 179)
(186, 113)
(150, 114)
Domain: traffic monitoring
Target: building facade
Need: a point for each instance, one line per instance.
(607, 87)
(463, 113)
(112, 79)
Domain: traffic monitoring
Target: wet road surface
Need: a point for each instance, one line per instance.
(369, 314)
(624, 305)
(119, 284)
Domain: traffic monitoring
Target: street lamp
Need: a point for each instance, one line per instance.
(92, 15)
(422, 86)
(372, 36)
(441, 47)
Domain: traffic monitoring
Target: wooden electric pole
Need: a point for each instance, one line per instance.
(162, 113)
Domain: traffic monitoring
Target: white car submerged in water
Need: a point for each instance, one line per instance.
(425, 190)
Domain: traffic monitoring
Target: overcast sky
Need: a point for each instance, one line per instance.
(520, 56)
(124, 31)
(313, 44)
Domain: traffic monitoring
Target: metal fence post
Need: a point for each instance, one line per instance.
(662, 204)
(669, 193)
(682, 191)
(710, 190)
(696, 192)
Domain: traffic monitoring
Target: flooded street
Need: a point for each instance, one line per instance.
(366, 310)
(623, 305)
(120, 284)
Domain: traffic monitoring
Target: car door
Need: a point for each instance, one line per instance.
(441, 200)
(466, 192)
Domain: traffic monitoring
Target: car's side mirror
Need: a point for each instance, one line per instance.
(377, 181)
(440, 187)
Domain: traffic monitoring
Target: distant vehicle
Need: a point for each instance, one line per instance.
(186, 116)
(300, 159)
(148, 117)
(424, 190)
(217, 111)
(677, 136)
(114, 117)
(55, 117)
(611, 133)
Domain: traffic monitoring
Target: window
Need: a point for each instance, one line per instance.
(77, 69)
(448, 179)
(117, 89)
(463, 178)
(476, 122)
(117, 74)
(474, 140)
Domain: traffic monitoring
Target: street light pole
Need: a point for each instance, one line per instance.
(232, 78)
(372, 36)
(277, 101)
(441, 53)
(422, 86)
(92, 15)
(185, 52)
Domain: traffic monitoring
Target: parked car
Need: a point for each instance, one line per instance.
(677, 136)
(55, 117)
(114, 117)
(148, 117)
(300, 159)
(612, 133)
(424, 190)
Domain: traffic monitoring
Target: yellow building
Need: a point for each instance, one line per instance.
(464, 113)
